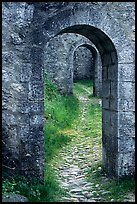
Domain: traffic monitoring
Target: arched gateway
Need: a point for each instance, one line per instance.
(109, 95)
(117, 55)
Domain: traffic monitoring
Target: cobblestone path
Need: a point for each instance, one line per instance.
(73, 160)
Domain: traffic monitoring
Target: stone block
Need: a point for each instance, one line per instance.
(106, 89)
(37, 133)
(110, 143)
(24, 132)
(126, 144)
(113, 90)
(106, 60)
(126, 72)
(36, 106)
(36, 120)
(37, 72)
(105, 131)
(9, 59)
(109, 47)
(14, 138)
(23, 119)
(114, 121)
(114, 58)
(113, 104)
(126, 54)
(110, 103)
(10, 118)
(36, 55)
(126, 163)
(23, 52)
(110, 161)
(36, 90)
(16, 39)
(106, 103)
(126, 124)
(23, 106)
(104, 73)
(113, 72)
(126, 90)
(19, 90)
(8, 75)
(126, 104)
(106, 115)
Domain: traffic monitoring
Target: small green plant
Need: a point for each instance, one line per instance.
(32, 188)
(21, 185)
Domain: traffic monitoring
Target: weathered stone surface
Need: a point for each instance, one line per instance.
(65, 61)
(17, 74)
(14, 198)
(37, 36)
(83, 64)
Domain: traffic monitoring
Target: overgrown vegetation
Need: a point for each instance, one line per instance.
(33, 189)
(116, 190)
(63, 115)
(60, 112)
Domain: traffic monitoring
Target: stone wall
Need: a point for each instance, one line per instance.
(60, 63)
(83, 64)
(28, 30)
(23, 99)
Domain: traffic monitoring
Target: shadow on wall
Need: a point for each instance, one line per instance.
(10, 153)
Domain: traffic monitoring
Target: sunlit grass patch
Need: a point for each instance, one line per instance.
(83, 87)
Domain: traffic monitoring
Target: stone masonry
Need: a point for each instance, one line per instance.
(62, 49)
(29, 34)
(83, 64)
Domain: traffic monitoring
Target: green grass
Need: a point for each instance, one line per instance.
(117, 189)
(60, 112)
(63, 116)
(32, 188)
(92, 127)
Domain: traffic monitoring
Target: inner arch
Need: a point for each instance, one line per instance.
(95, 67)
(98, 37)
(109, 59)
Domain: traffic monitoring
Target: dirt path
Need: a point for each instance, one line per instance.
(73, 161)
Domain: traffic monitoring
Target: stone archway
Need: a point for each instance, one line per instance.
(97, 67)
(58, 58)
(109, 96)
(114, 158)
(35, 24)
